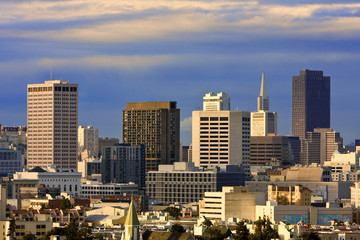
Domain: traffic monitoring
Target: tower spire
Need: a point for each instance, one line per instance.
(263, 100)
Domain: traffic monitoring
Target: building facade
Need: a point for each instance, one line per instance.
(91, 188)
(88, 140)
(157, 125)
(184, 183)
(221, 138)
(310, 102)
(52, 120)
(124, 163)
(216, 102)
(263, 122)
(292, 195)
(11, 161)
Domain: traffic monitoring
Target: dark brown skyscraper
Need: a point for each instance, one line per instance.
(310, 102)
(157, 125)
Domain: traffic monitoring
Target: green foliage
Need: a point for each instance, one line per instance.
(213, 234)
(207, 223)
(174, 212)
(98, 236)
(29, 236)
(310, 235)
(43, 206)
(242, 232)
(74, 232)
(177, 228)
(11, 230)
(65, 204)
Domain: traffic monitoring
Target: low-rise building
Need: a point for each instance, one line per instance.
(231, 202)
(184, 183)
(292, 195)
(110, 189)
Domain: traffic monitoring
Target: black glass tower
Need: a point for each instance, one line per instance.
(310, 102)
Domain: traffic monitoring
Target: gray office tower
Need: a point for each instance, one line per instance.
(123, 163)
(310, 102)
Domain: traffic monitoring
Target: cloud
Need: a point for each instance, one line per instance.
(185, 125)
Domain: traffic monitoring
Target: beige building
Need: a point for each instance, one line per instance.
(231, 202)
(157, 125)
(292, 195)
(88, 142)
(52, 119)
(221, 138)
(355, 194)
(216, 102)
(263, 122)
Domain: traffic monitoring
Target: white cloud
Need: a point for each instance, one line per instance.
(185, 125)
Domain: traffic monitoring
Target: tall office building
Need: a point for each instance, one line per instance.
(216, 102)
(221, 138)
(157, 125)
(310, 102)
(52, 120)
(88, 140)
(263, 122)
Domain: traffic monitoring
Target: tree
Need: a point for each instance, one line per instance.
(310, 235)
(177, 228)
(268, 232)
(11, 230)
(98, 236)
(43, 206)
(174, 212)
(213, 233)
(65, 204)
(242, 232)
(29, 236)
(72, 230)
(207, 223)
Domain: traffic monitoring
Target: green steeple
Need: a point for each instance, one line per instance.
(131, 218)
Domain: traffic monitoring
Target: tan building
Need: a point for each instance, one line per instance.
(231, 202)
(292, 195)
(157, 125)
(221, 138)
(88, 142)
(52, 119)
(355, 194)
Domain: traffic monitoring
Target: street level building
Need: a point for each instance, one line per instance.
(157, 125)
(184, 183)
(52, 120)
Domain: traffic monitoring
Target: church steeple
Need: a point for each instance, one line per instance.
(132, 224)
(263, 100)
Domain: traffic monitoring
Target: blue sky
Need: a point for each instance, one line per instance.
(145, 50)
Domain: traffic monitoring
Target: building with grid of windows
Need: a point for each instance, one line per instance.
(183, 182)
(221, 138)
(88, 141)
(157, 125)
(11, 161)
(52, 121)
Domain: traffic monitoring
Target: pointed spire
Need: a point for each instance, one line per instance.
(263, 92)
(131, 218)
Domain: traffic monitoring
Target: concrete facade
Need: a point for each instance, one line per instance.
(216, 102)
(52, 120)
(88, 140)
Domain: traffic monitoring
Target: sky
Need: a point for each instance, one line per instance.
(168, 50)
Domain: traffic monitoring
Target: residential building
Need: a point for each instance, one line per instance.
(319, 145)
(105, 142)
(157, 125)
(88, 141)
(231, 202)
(123, 163)
(184, 183)
(292, 195)
(221, 138)
(17, 134)
(310, 102)
(273, 151)
(68, 180)
(11, 161)
(216, 102)
(263, 122)
(52, 120)
(90, 167)
(355, 194)
(110, 189)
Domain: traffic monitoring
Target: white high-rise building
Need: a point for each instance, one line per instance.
(221, 138)
(52, 120)
(88, 140)
(263, 122)
(216, 102)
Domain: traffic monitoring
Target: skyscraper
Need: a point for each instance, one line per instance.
(310, 102)
(216, 102)
(88, 140)
(52, 119)
(263, 122)
(157, 125)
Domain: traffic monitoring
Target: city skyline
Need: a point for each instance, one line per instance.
(193, 46)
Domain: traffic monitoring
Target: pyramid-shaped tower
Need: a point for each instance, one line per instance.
(132, 224)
